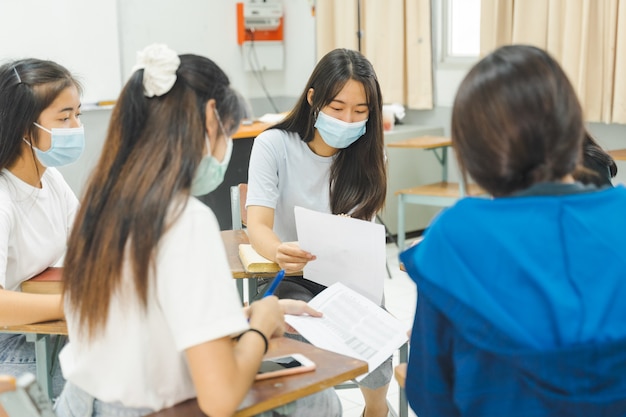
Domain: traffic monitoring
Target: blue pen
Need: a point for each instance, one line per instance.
(274, 284)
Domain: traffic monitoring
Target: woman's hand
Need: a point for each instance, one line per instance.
(298, 308)
(291, 258)
(267, 316)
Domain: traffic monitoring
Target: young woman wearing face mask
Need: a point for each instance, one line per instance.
(150, 301)
(39, 129)
(327, 155)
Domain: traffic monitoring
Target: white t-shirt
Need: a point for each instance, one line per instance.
(34, 225)
(139, 359)
(284, 172)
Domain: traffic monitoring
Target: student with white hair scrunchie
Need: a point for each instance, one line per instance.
(153, 313)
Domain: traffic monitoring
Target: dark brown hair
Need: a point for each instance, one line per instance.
(149, 158)
(598, 166)
(516, 121)
(358, 176)
(27, 87)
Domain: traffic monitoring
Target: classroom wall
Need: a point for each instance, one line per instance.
(205, 27)
(208, 28)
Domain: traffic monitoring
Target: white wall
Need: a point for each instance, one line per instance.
(209, 27)
(205, 27)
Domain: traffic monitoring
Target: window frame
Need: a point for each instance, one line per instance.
(445, 60)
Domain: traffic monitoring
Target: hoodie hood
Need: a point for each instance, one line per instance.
(537, 282)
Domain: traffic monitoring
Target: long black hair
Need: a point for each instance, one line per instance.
(358, 177)
(27, 87)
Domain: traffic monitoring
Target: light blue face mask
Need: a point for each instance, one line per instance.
(66, 146)
(337, 133)
(210, 173)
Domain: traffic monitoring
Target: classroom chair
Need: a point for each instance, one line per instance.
(439, 194)
(238, 194)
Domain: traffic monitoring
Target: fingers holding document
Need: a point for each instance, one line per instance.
(291, 258)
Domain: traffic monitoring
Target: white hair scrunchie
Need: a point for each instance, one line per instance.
(159, 64)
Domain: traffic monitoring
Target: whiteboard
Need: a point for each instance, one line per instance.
(80, 35)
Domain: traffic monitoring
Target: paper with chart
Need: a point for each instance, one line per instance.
(351, 325)
(348, 250)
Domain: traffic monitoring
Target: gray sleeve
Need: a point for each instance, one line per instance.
(263, 178)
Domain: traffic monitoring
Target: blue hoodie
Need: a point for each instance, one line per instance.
(522, 308)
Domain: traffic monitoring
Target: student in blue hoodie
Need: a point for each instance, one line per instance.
(521, 307)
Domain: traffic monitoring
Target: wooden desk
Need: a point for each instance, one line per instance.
(47, 327)
(268, 394)
(422, 142)
(618, 154)
(39, 334)
(251, 131)
(232, 239)
(442, 193)
(49, 281)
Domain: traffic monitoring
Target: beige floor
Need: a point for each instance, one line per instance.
(400, 300)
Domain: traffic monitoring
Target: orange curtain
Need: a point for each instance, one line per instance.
(587, 37)
(396, 38)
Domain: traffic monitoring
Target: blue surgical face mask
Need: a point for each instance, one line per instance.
(66, 146)
(337, 133)
(210, 173)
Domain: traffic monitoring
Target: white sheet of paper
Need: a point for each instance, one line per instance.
(352, 326)
(350, 251)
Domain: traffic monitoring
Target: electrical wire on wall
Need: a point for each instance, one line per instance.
(253, 59)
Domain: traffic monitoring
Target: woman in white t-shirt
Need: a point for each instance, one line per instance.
(327, 155)
(39, 129)
(151, 304)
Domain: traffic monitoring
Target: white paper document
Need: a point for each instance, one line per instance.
(350, 251)
(351, 325)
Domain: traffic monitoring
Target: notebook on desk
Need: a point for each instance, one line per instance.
(47, 282)
(253, 262)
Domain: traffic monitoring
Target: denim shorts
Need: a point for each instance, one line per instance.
(17, 357)
(74, 402)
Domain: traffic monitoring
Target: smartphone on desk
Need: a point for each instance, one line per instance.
(284, 365)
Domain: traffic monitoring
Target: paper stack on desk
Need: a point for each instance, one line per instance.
(351, 325)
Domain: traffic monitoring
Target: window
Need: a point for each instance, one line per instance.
(460, 35)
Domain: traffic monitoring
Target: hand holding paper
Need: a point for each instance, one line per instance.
(352, 325)
(348, 250)
(291, 257)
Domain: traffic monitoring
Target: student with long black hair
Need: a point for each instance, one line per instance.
(40, 129)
